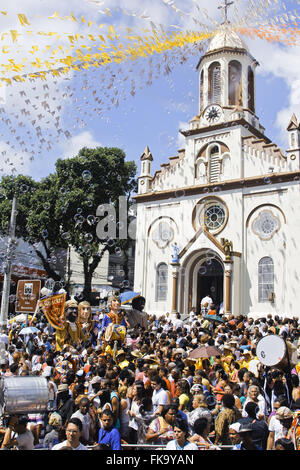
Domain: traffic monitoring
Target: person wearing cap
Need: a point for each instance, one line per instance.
(52, 437)
(65, 402)
(279, 425)
(17, 434)
(234, 435)
(246, 434)
(95, 391)
(121, 359)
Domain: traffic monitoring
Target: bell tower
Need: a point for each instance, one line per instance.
(227, 78)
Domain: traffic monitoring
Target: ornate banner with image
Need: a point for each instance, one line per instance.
(53, 309)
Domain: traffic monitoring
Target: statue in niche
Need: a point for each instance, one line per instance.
(175, 256)
(228, 247)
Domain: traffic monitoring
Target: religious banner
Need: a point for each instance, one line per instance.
(53, 309)
(28, 292)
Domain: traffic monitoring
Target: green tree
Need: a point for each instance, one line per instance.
(60, 210)
(33, 215)
(93, 178)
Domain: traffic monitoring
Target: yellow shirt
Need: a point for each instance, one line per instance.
(244, 363)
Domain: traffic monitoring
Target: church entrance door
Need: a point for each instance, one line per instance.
(210, 282)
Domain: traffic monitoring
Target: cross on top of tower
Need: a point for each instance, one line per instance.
(225, 10)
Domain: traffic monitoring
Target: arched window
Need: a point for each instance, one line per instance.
(251, 89)
(214, 83)
(235, 83)
(214, 164)
(292, 140)
(265, 278)
(201, 89)
(161, 282)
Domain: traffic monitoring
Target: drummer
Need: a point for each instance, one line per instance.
(114, 315)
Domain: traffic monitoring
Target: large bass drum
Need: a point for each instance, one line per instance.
(114, 332)
(272, 350)
(23, 395)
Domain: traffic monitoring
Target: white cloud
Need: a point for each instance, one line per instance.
(77, 142)
(284, 63)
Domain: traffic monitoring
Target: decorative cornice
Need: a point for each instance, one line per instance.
(229, 50)
(225, 126)
(210, 188)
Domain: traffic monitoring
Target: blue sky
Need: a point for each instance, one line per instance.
(155, 113)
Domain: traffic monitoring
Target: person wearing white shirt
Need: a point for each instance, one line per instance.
(73, 433)
(84, 416)
(205, 304)
(160, 396)
(178, 323)
(254, 395)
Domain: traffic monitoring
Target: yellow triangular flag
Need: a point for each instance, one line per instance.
(23, 20)
(55, 15)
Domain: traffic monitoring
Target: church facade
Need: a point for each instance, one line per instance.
(223, 216)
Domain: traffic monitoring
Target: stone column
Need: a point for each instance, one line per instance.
(175, 287)
(228, 276)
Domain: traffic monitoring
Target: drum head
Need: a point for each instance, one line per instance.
(270, 350)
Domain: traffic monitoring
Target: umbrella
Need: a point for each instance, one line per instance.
(204, 351)
(213, 318)
(28, 330)
(128, 296)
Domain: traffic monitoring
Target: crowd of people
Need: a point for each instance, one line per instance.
(151, 391)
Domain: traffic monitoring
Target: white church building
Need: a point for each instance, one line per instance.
(223, 216)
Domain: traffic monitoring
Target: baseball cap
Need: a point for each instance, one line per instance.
(245, 427)
(62, 388)
(235, 426)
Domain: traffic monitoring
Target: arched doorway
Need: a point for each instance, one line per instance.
(201, 273)
(210, 281)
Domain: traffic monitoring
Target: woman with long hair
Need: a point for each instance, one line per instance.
(184, 395)
(138, 393)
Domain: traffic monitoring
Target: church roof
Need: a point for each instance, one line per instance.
(293, 124)
(226, 37)
(226, 40)
(147, 155)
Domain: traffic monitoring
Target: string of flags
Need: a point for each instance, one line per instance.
(113, 64)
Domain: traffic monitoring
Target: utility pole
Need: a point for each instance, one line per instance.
(7, 268)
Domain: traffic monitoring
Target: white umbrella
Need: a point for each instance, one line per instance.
(28, 330)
